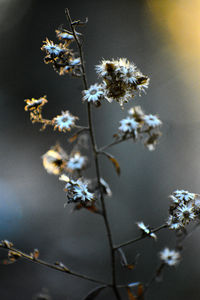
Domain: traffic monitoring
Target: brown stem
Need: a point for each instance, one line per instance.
(59, 267)
(141, 237)
(95, 154)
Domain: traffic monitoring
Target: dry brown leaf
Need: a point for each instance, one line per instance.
(114, 162)
(95, 292)
(130, 295)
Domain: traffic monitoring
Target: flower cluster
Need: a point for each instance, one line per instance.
(137, 123)
(121, 80)
(77, 190)
(185, 207)
(170, 257)
(60, 55)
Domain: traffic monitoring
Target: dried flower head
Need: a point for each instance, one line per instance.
(185, 207)
(53, 50)
(152, 121)
(76, 162)
(94, 94)
(63, 34)
(64, 122)
(185, 213)
(121, 80)
(35, 104)
(77, 190)
(182, 196)
(61, 57)
(170, 257)
(54, 160)
(129, 125)
(137, 113)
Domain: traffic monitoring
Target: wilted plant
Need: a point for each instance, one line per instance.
(120, 81)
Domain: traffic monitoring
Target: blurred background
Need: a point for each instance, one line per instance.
(162, 39)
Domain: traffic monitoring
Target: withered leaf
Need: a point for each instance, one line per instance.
(91, 208)
(35, 254)
(140, 292)
(124, 261)
(73, 138)
(12, 257)
(130, 294)
(114, 162)
(7, 244)
(95, 292)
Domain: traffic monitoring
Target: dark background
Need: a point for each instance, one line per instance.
(163, 41)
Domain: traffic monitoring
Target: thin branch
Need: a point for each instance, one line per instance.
(58, 266)
(114, 143)
(139, 238)
(95, 154)
(155, 275)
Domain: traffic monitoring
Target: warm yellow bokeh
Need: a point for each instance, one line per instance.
(180, 20)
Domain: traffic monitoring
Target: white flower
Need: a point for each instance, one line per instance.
(146, 230)
(104, 68)
(185, 213)
(173, 223)
(76, 162)
(129, 125)
(51, 48)
(170, 257)
(65, 121)
(128, 74)
(93, 94)
(77, 191)
(152, 121)
(75, 61)
(183, 195)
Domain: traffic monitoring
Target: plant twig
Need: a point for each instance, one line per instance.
(114, 143)
(95, 154)
(139, 238)
(58, 266)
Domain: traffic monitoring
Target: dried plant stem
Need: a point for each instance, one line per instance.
(139, 238)
(59, 267)
(114, 143)
(95, 154)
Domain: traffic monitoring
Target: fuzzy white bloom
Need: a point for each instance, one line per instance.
(185, 213)
(146, 230)
(152, 121)
(76, 162)
(128, 74)
(174, 223)
(77, 191)
(102, 69)
(51, 48)
(183, 195)
(129, 125)
(170, 257)
(93, 94)
(65, 121)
